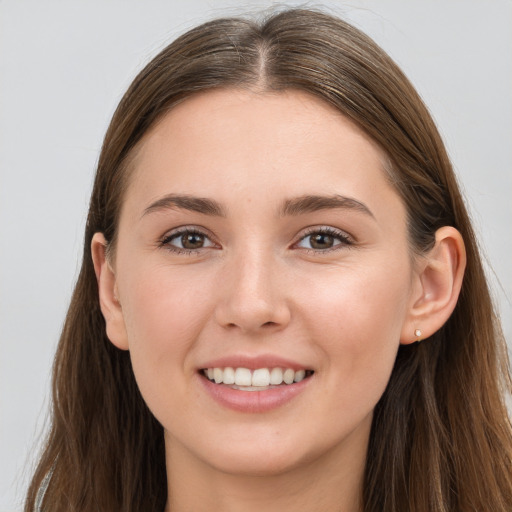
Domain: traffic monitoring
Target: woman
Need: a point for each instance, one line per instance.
(281, 302)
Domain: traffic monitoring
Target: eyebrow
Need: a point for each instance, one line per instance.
(308, 204)
(186, 202)
(291, 207)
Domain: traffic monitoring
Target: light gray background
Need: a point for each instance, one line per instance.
(63, 68)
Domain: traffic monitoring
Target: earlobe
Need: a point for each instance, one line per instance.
(437, 286)
(108, 296)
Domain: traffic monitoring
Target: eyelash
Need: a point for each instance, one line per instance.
(345, 240)
(165, 242)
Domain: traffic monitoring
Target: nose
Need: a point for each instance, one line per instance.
(252, 296)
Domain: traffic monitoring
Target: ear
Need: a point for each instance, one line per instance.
(437, 284)
(107, 289)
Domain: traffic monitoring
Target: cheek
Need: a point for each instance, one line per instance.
(371, 301)
(164, 306)
(355, 319)
(164, 315)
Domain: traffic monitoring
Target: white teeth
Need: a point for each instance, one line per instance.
(255, 379)
(218, 375)
(299, 375)
(243, 377)
(276, 376)
(229, 376)
(261, 377)
(288, 376)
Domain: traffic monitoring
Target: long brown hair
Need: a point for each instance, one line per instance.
(441, 438)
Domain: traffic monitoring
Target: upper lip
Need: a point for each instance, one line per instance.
(254, 362)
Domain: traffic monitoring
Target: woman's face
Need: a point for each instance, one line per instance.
(259, 233)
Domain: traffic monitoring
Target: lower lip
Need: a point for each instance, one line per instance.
(254, 401)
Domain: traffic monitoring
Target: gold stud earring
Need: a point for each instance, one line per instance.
(417, 333)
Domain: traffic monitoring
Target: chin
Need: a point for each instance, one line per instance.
(259, 464)
(253, 455)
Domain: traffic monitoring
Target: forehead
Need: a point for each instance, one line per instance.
(235, 144)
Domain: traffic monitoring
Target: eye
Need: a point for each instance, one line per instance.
(324, 239)
(187, 240)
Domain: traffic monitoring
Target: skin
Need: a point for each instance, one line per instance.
(259, 285)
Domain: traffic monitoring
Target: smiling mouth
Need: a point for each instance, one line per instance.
(261, 379)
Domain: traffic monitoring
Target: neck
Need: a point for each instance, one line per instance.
(331, 483)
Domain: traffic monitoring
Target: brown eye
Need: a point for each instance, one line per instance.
(321, 241)
(324, 239)
(192, 240)
(187, 240)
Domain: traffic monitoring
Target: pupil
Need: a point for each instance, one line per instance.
(322, 241)
(192, 241)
